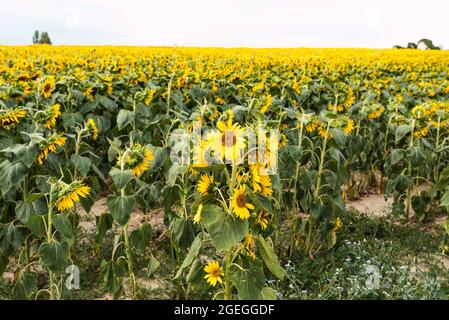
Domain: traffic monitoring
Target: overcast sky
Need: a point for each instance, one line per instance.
(230, 23)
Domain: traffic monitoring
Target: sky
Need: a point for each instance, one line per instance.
(227, 23)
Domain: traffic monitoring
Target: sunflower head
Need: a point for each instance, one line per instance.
(197, 217)
(228, 142)
(137, 158)
(92, 128)
(52, 113)
(338, 224)
(249, 245)
(67, 195)
(89, 93)
(419, 111)
(262, 219)
(240, 204)
(205, 184)
(49, 145)
(214, 273)
(47, 87)
(9, 118)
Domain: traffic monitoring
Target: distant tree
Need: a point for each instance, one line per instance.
(36, 37)
(423, 44)
(43, 38)
(429, 44)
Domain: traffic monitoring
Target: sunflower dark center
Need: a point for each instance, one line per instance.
(241, 201)
(47, 87)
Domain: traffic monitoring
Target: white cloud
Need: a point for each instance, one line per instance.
(263, 23)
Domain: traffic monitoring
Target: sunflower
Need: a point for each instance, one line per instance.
(249, 245)
(138, 159)
(197, 217)
(312, 126)
(349, 127)
(205, 184)
(49, 145)
(149, 97)
(268, 102)
(240, 204)
(53, 112)
(47, 87)
(422, 132)
(376, 113)
(214, 273)
(419, 111)
(262, 220)
(259, 179)
(10, 118)
(70, 194)
(228, 142)
(338, 224)
(88, 93)
(92, 127)
(283, 142)
(254, 170)
(265, 181)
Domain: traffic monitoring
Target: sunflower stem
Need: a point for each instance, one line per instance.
(132, 278)
(228, 284)
(49, 240)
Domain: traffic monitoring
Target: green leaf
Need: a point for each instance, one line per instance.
(3, 263)
(140, 237)
(191, 256)
(195, 277)
(124, 118)
(25, 287)
(248, 278)
(104, 223)
(36, 224)
(11, 237)
(396, 155)
(121, 178)
(401, 131)
(174, 171)
(82, 164)
(445, 200)
(183, 232)
(54, 255)
(63, 224)
(121, 208)
(224, 229)
(269, 294)
(153, 265)
(112, 275)
(269, 257)
(11, 174)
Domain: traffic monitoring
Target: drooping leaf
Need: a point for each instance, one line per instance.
(121, 207)
(54, 255)
(269, 257)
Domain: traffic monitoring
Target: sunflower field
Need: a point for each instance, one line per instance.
(83, 124)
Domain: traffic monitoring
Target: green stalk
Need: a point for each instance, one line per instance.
(409, 172)
(228, 284)
(437, 146)
(298, 165)
(49, 240)
(317, 191)
(132, 278)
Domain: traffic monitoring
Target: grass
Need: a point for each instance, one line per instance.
(403, 257)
